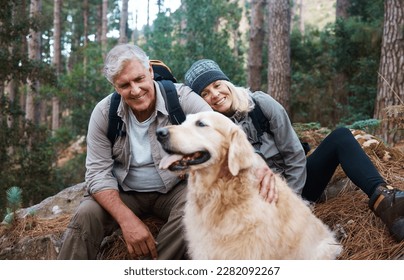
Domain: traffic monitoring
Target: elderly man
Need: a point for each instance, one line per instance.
(125, 183)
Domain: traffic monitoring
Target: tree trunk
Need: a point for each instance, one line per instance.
(56, 61)
(257, 35)
(33, 54)
(148, 13)
(123, 38)
(11, 87)
(135, 30)
(342, 9)
(279, 51)
(85, 22)
(301, 17)
(341, 92)
(390, 85)
(85, 35)
(104, 29)
(99, 23)
(11, 93)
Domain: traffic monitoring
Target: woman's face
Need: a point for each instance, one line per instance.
(218, 96)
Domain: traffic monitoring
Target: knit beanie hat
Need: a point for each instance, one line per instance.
(202, 73)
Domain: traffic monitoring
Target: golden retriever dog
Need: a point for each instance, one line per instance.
(225, 216)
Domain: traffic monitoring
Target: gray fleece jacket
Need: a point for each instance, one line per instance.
(281, 148)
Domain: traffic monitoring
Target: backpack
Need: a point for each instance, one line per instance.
(261, 124)
(165, 79)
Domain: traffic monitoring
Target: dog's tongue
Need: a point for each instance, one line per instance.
(168, 160)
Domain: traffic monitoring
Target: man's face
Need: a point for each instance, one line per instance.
(135, 85)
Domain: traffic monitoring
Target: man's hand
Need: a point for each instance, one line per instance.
(267, 187)
(138, 239)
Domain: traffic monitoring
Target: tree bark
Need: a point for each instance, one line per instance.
(148, 13)
(257, 36)
(123, 38)
(56, 61)
(85, 22)
(390, 84)
(342, 9)
(341, 92)
(104, 29)
(279, 72)
(85, 35)
(301, 17)
(33, 54)
(99, 23)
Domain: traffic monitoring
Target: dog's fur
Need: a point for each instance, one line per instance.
(225, 216)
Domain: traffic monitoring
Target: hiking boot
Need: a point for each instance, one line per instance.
(388, 204)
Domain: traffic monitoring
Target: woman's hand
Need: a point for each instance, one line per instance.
(267, 186)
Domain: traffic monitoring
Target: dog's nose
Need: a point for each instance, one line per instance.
(162, 134)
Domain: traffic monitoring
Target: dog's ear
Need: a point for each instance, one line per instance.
(240, 152)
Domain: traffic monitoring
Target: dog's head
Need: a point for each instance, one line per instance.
(205, 139)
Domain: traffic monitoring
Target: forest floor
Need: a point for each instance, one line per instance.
(344, 209)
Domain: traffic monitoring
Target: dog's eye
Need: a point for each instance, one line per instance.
(200, 123)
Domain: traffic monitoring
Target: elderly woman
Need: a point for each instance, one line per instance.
(283, 152)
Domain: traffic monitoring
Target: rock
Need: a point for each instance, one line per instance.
(36, 248)
(64, 202)
(41, 227)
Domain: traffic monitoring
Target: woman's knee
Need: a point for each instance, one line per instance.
(342, 135)
(342, 132)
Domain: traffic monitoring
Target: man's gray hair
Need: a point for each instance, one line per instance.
(119, 55)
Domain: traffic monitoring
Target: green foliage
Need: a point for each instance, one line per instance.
(26, 162)
(312, 72)
(82, 88)
(334, 71)
(368, 11)
(306, 126)
(160, 41)
(14, 202)
(14, 198)
(72, 172)
(369, 125)
(207, 35)
(9, 218)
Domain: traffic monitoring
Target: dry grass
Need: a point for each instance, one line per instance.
(362, 234)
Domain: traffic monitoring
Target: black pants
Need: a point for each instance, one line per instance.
(340, 147)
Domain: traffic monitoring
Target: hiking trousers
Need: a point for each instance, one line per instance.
(91, 223)
(340, 148)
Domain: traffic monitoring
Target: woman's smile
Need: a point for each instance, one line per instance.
(220, 102)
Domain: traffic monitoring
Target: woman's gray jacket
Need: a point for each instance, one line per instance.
(280, 147)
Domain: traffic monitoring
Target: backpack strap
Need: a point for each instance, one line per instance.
(259, 120)
(115, 122)
(170, 95)
(262, 125)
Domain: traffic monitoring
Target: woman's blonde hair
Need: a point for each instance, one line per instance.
(241, 101)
